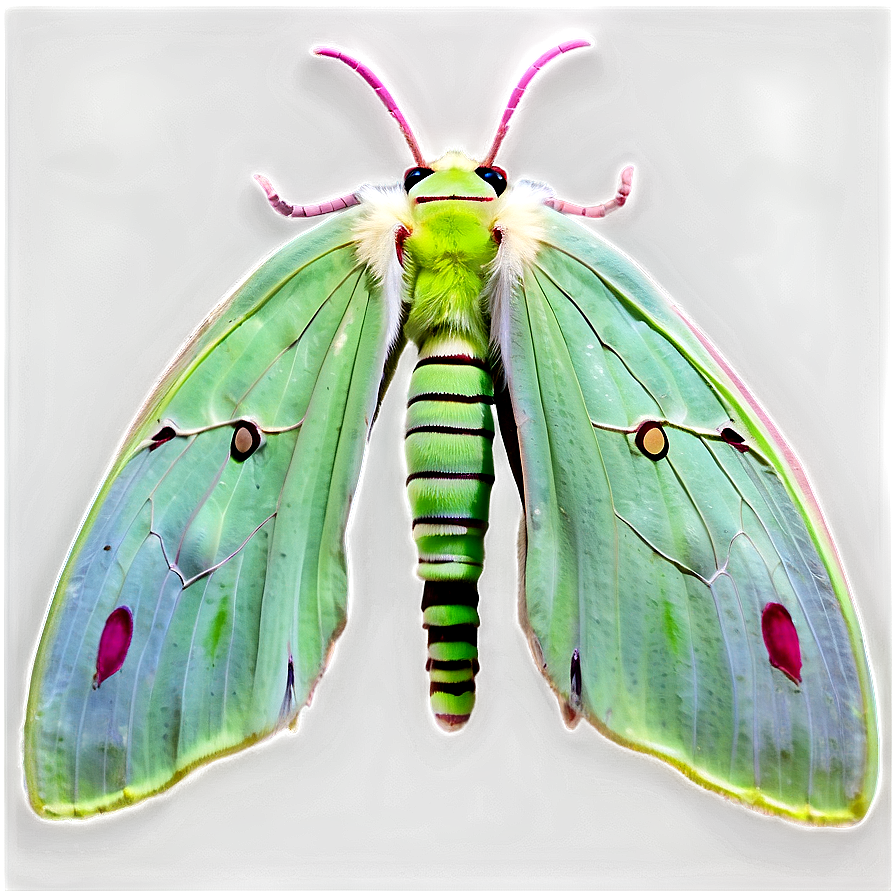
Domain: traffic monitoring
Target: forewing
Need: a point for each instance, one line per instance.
(657, 570)
(232, 566)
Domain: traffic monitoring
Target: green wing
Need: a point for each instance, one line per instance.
(220, 528)
(656, 555)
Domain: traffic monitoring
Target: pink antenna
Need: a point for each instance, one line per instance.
(382, 93)
(520, 89)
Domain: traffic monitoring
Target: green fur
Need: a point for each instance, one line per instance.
(448, 255)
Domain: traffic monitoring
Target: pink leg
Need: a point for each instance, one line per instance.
(597, 211)
(304, 211)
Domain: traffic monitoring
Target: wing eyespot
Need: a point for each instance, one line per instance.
(651, 440)
(246, 440)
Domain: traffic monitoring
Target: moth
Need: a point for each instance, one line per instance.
(678, 585)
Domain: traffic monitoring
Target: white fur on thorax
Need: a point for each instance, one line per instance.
(521, 220)
(386, 209)
(519, 215)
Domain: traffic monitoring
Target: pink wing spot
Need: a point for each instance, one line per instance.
(114, 644)
(782, 641)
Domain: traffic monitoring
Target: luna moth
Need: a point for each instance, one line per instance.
(678, 585)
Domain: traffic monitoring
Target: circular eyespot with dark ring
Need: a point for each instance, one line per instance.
(245, 441)
(652, 441)
(413, 176)
(496, 178)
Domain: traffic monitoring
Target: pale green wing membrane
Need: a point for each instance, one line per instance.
(220, 528)
(663, 514)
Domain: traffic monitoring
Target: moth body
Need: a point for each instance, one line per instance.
(447, 257)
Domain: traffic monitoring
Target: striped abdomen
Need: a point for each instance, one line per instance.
(448, 444)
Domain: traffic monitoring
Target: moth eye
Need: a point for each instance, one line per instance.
(245, 441)
(496, 178)
(413, 176)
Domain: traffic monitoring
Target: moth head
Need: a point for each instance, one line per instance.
(454, 178)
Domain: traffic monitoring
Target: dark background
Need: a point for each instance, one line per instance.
(759, 141)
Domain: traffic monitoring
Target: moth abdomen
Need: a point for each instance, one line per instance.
(448, 445)
(451, 619)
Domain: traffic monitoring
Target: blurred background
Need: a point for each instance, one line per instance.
(759, 143)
